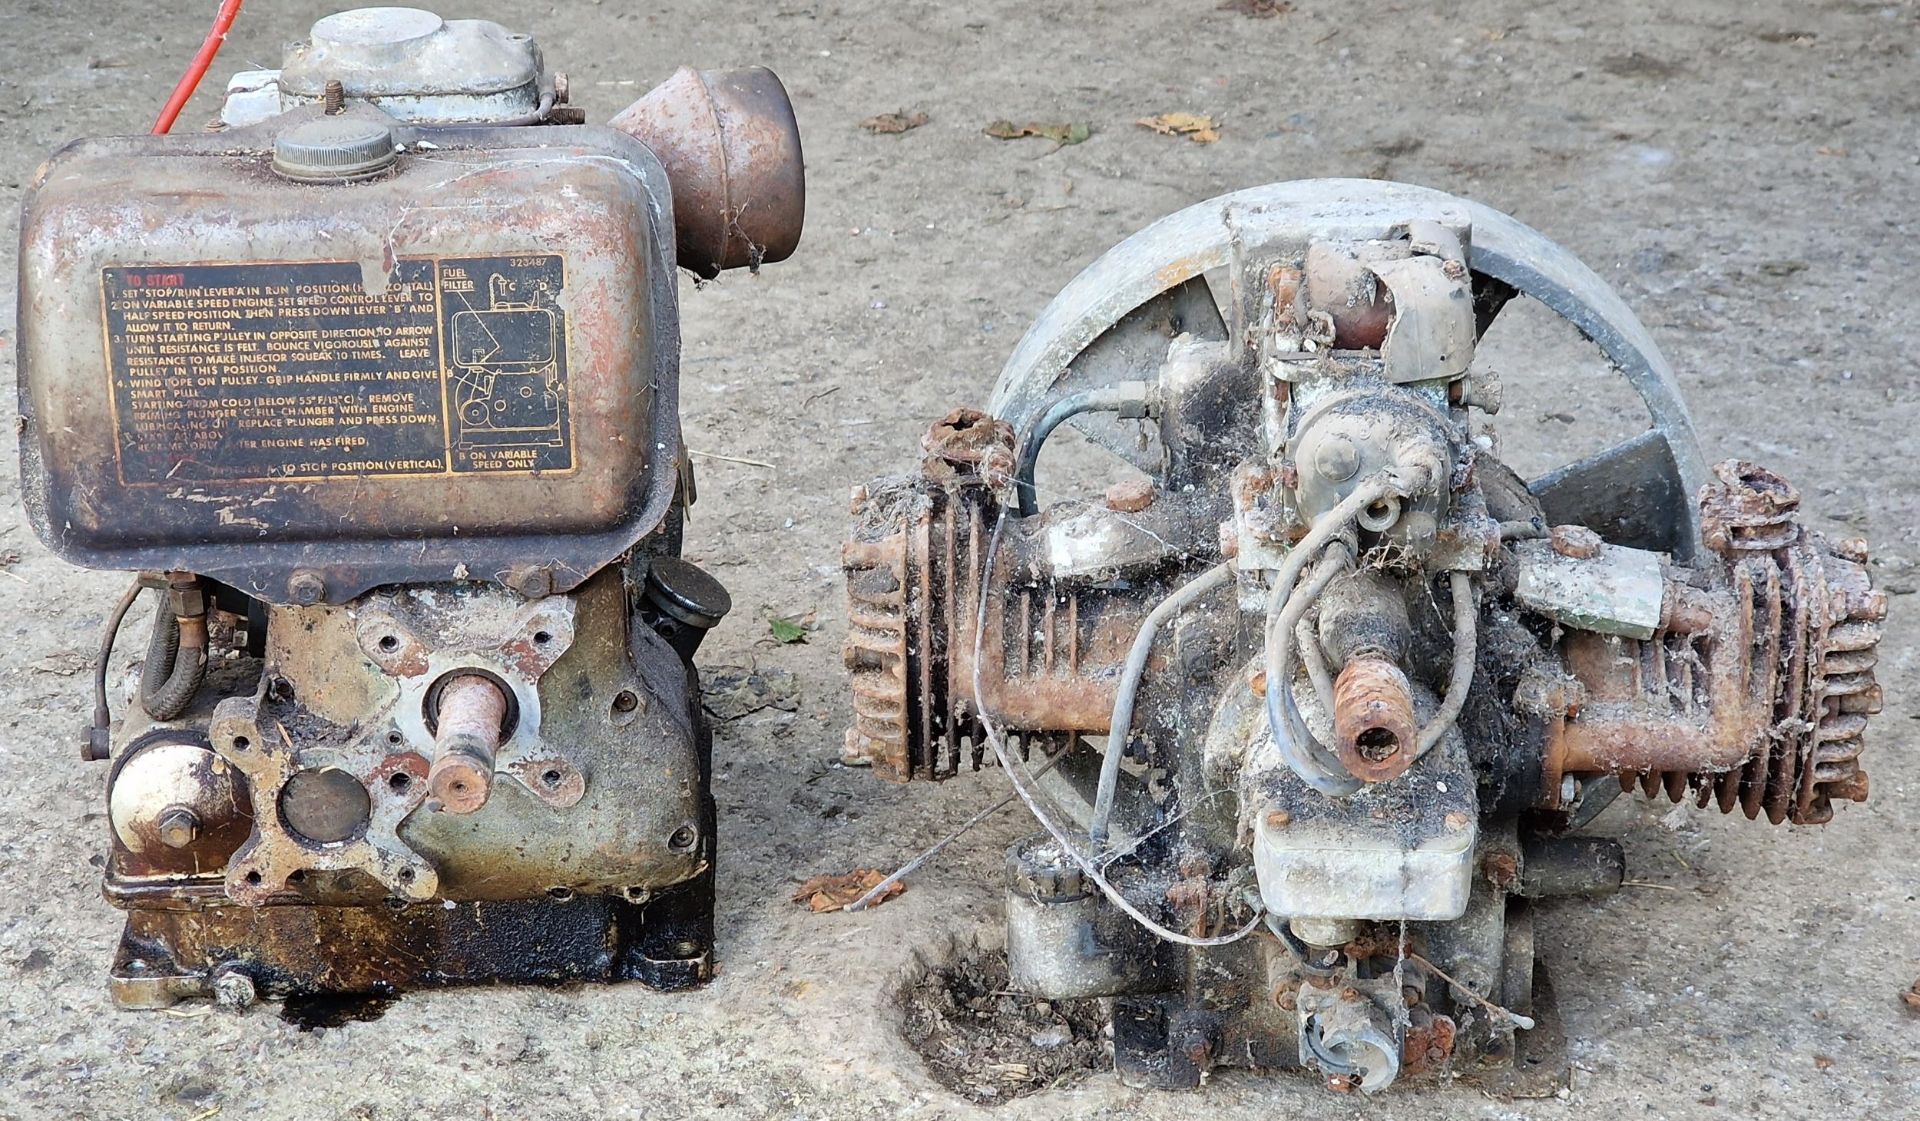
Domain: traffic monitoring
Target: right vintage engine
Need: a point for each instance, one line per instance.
(1312, 702)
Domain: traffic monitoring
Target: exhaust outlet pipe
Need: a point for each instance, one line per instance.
(731, 149)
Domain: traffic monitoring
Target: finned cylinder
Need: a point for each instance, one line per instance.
(1373, 726)
(472, 716)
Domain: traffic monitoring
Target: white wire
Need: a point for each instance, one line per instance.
(997, 741)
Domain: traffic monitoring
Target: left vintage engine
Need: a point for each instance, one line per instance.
(376, 385)
(1312, 701)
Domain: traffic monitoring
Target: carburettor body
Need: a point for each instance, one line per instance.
(376, 385)
(1322, 689)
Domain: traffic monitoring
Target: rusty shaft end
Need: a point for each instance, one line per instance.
(731, 149)
(1373, 726)
(473, 714)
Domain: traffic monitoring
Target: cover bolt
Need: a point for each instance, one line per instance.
(306, 587)
(179, 827)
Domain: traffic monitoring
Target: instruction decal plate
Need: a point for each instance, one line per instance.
(294, 370)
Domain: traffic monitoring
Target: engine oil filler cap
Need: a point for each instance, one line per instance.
(334, 150)
(684, 591)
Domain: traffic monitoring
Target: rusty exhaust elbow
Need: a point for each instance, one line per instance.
(1373, 727)
(731, 150)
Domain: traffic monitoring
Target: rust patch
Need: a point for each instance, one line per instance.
(553, 780)
(1428, 1045)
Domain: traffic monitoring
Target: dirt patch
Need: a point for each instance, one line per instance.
(991, 1044)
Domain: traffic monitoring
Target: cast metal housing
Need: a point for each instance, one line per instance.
(1322, 687)
(376, 384)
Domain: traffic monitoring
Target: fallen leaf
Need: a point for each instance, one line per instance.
(901, 121)
(1823, 1062)
(1197, 127)
(1062, 134)
(1911, 997)
(64, 663)
(822, 894)
(1830, 150)
(787, 630)
(1258, 9)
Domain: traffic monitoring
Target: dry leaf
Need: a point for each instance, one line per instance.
(1258, 9)
(901, 121)
(1062, 134)
(1197, 127)
(831, 893)
(64, 663)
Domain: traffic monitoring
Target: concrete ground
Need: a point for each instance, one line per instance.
(1745, 173)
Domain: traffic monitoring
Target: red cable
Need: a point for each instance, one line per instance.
(197, 69)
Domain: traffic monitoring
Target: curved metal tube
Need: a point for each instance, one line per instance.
(1466, 646)
(1107, 398)
(1131, 672)
(97, 736)
(1304, 755)
(1306, 642)
(1329, 526)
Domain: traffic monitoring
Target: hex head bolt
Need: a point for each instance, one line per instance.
(473, 713)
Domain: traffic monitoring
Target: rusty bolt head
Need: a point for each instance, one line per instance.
(530, 580)
(1130, 496)
(178, 827)
(1288, 999)
(1501, 868)
(1258, 683)
(1278, 819)
(232, 988)
(1457, 821)
(1575, 541)
(1453, 270)
(306, 587)
(1340, 1083)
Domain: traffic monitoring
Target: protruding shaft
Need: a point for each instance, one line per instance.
(1373, 728)
(473, 714)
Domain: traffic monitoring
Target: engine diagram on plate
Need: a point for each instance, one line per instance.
(506, 366)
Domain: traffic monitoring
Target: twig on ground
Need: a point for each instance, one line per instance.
(731, 459)
(914, 865)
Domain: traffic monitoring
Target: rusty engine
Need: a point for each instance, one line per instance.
(374, 382)
(1312, 701)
